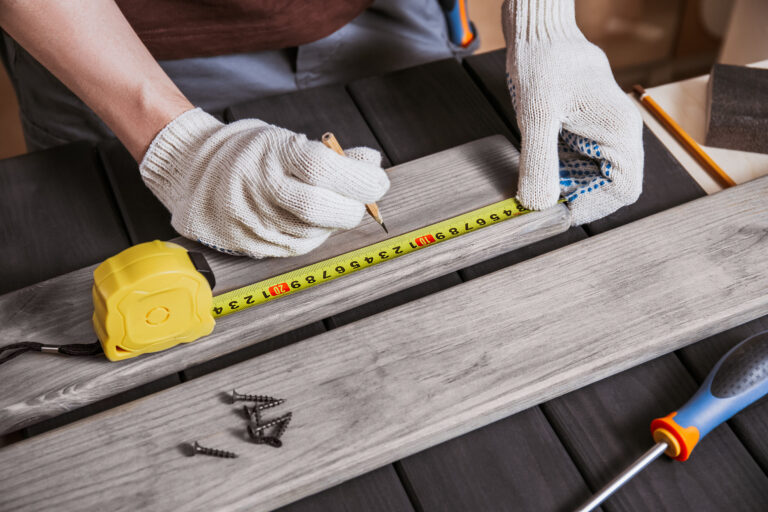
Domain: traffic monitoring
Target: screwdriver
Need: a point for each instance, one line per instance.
(739, 379)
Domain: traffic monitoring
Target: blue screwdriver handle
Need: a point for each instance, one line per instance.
(461, 30)
(739, 379)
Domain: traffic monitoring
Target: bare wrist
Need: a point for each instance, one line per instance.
(151, 111)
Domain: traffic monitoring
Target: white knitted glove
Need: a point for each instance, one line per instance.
(581, 135)
(250, 188)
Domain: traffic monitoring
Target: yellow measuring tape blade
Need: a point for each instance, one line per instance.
(347, 263)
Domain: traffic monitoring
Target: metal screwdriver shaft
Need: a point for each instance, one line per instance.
(373, 209)
(626, 475)
(739, 379)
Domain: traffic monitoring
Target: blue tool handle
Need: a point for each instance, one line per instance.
(739, 379)
(461, 31)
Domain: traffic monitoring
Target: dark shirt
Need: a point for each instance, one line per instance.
(177, 29)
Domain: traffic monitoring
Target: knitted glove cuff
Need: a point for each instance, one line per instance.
(164, 167)
(540, 20)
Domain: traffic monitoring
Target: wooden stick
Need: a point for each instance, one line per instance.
(373, 209)
(683, 138)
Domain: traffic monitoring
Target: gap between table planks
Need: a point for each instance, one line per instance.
(387, 386)
(59, 310)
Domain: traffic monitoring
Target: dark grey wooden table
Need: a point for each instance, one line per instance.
(75, 205)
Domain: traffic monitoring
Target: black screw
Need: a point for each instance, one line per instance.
(283, 426)
(260, 438)
(285, 418)
(258, 408)
(211, 451)
(252, 414)
(252, 398)
(255, 420)
(272, 441)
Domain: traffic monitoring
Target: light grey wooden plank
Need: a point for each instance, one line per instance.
(59, 310)
(467, 356)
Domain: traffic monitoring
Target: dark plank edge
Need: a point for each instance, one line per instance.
(102, 405)
(59, 215)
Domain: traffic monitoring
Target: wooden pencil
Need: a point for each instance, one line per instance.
(683, 138)
(329, 139)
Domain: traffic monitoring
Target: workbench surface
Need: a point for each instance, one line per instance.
(73, 206)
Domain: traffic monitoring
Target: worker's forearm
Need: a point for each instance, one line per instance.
(91, 48)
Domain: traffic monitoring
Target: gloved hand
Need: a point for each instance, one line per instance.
(581, 135)
(250, 188)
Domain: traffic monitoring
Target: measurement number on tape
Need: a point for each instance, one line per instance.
(347, 263)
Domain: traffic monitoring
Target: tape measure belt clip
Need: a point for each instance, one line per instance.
(202, 266)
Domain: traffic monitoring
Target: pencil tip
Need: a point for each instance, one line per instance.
(385, 227)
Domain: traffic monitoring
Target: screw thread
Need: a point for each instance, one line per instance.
(284, 418)
(262, 439)
(269, 405)
(282, 427)
(213, 451)
(252, 398)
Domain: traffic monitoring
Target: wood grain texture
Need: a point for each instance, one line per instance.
(255, 350)
(574, 234)
(145, 216)
(391, 301)
(517, 463)
(352, 390)
(422, 110)
(606, 427)
(313, 112)
(665, 182)
(377, 491)
(103, 405)
(59, 310)
(56, 215)
(751, 424)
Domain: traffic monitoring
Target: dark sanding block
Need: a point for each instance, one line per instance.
(737, 108)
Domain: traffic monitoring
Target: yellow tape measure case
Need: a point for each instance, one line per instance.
(151, 297)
